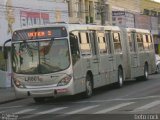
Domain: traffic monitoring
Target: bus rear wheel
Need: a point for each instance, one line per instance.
(89, 87)
(119, 83)
(146, 74)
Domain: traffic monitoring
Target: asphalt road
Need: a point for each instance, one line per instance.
(135, 100)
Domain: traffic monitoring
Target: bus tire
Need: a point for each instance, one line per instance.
(157, 70)
(120, 81)
(89, 87)
(146, 74)
(39, 99)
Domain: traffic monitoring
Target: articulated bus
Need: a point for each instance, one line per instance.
(67, 59)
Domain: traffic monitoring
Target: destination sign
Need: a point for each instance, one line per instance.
(39, 33)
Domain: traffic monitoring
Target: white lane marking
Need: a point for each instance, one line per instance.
(119, 99)
(51, 111)
(147, 106)
(10, 107)
(82, 109)
(44, 112)
(113, 108)
(24, 111)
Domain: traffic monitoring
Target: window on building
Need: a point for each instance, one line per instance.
(146, 12)
(91, 9)
(69, 8)
(97, 12)
(84, 43)
(153, 13)
(117, 42)
(78, 8)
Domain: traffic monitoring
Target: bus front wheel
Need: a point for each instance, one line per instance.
(89, 87)
(146, 74)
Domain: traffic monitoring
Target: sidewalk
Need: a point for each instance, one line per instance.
(7, 94)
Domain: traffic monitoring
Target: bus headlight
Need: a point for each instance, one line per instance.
(65, 80)
(19, 84)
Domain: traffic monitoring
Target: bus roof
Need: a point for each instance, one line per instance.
(137, 30)
(72, 27)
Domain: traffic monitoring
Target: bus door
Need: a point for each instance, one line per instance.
(95, 59)
(134, 58)
(102, 55)
(110, 51)
(111, 60)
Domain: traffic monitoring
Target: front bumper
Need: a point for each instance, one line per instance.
(45, 91)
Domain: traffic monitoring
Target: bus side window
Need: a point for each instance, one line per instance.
(140, 42)
(145, 42)
(117, 42)
(85, 45)
(150, 41)
(108, 40)
(92, 36)
(131, 41)
(74, 47)
(102, 43)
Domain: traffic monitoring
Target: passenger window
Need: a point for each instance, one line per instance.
(93, 42)
(145, 42)
(117, 42)
(130, 41)
(84, 43)
(102, 43)
(150, 42)
(108, 41)
(140, 42)
(74, 47)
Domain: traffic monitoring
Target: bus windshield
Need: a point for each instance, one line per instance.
(40, 57)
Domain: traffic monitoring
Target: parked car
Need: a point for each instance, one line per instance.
(157, 63)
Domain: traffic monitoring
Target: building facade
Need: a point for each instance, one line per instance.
(123, 12)
(151, 10)
(89, 11)
(143, 14)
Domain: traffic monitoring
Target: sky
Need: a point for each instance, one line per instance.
(157, 0)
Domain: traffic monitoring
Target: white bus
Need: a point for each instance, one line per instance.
(66, 59)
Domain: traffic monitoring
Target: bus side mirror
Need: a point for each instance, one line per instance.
(5, 51)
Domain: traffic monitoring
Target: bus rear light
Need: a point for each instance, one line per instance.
(65, 80)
